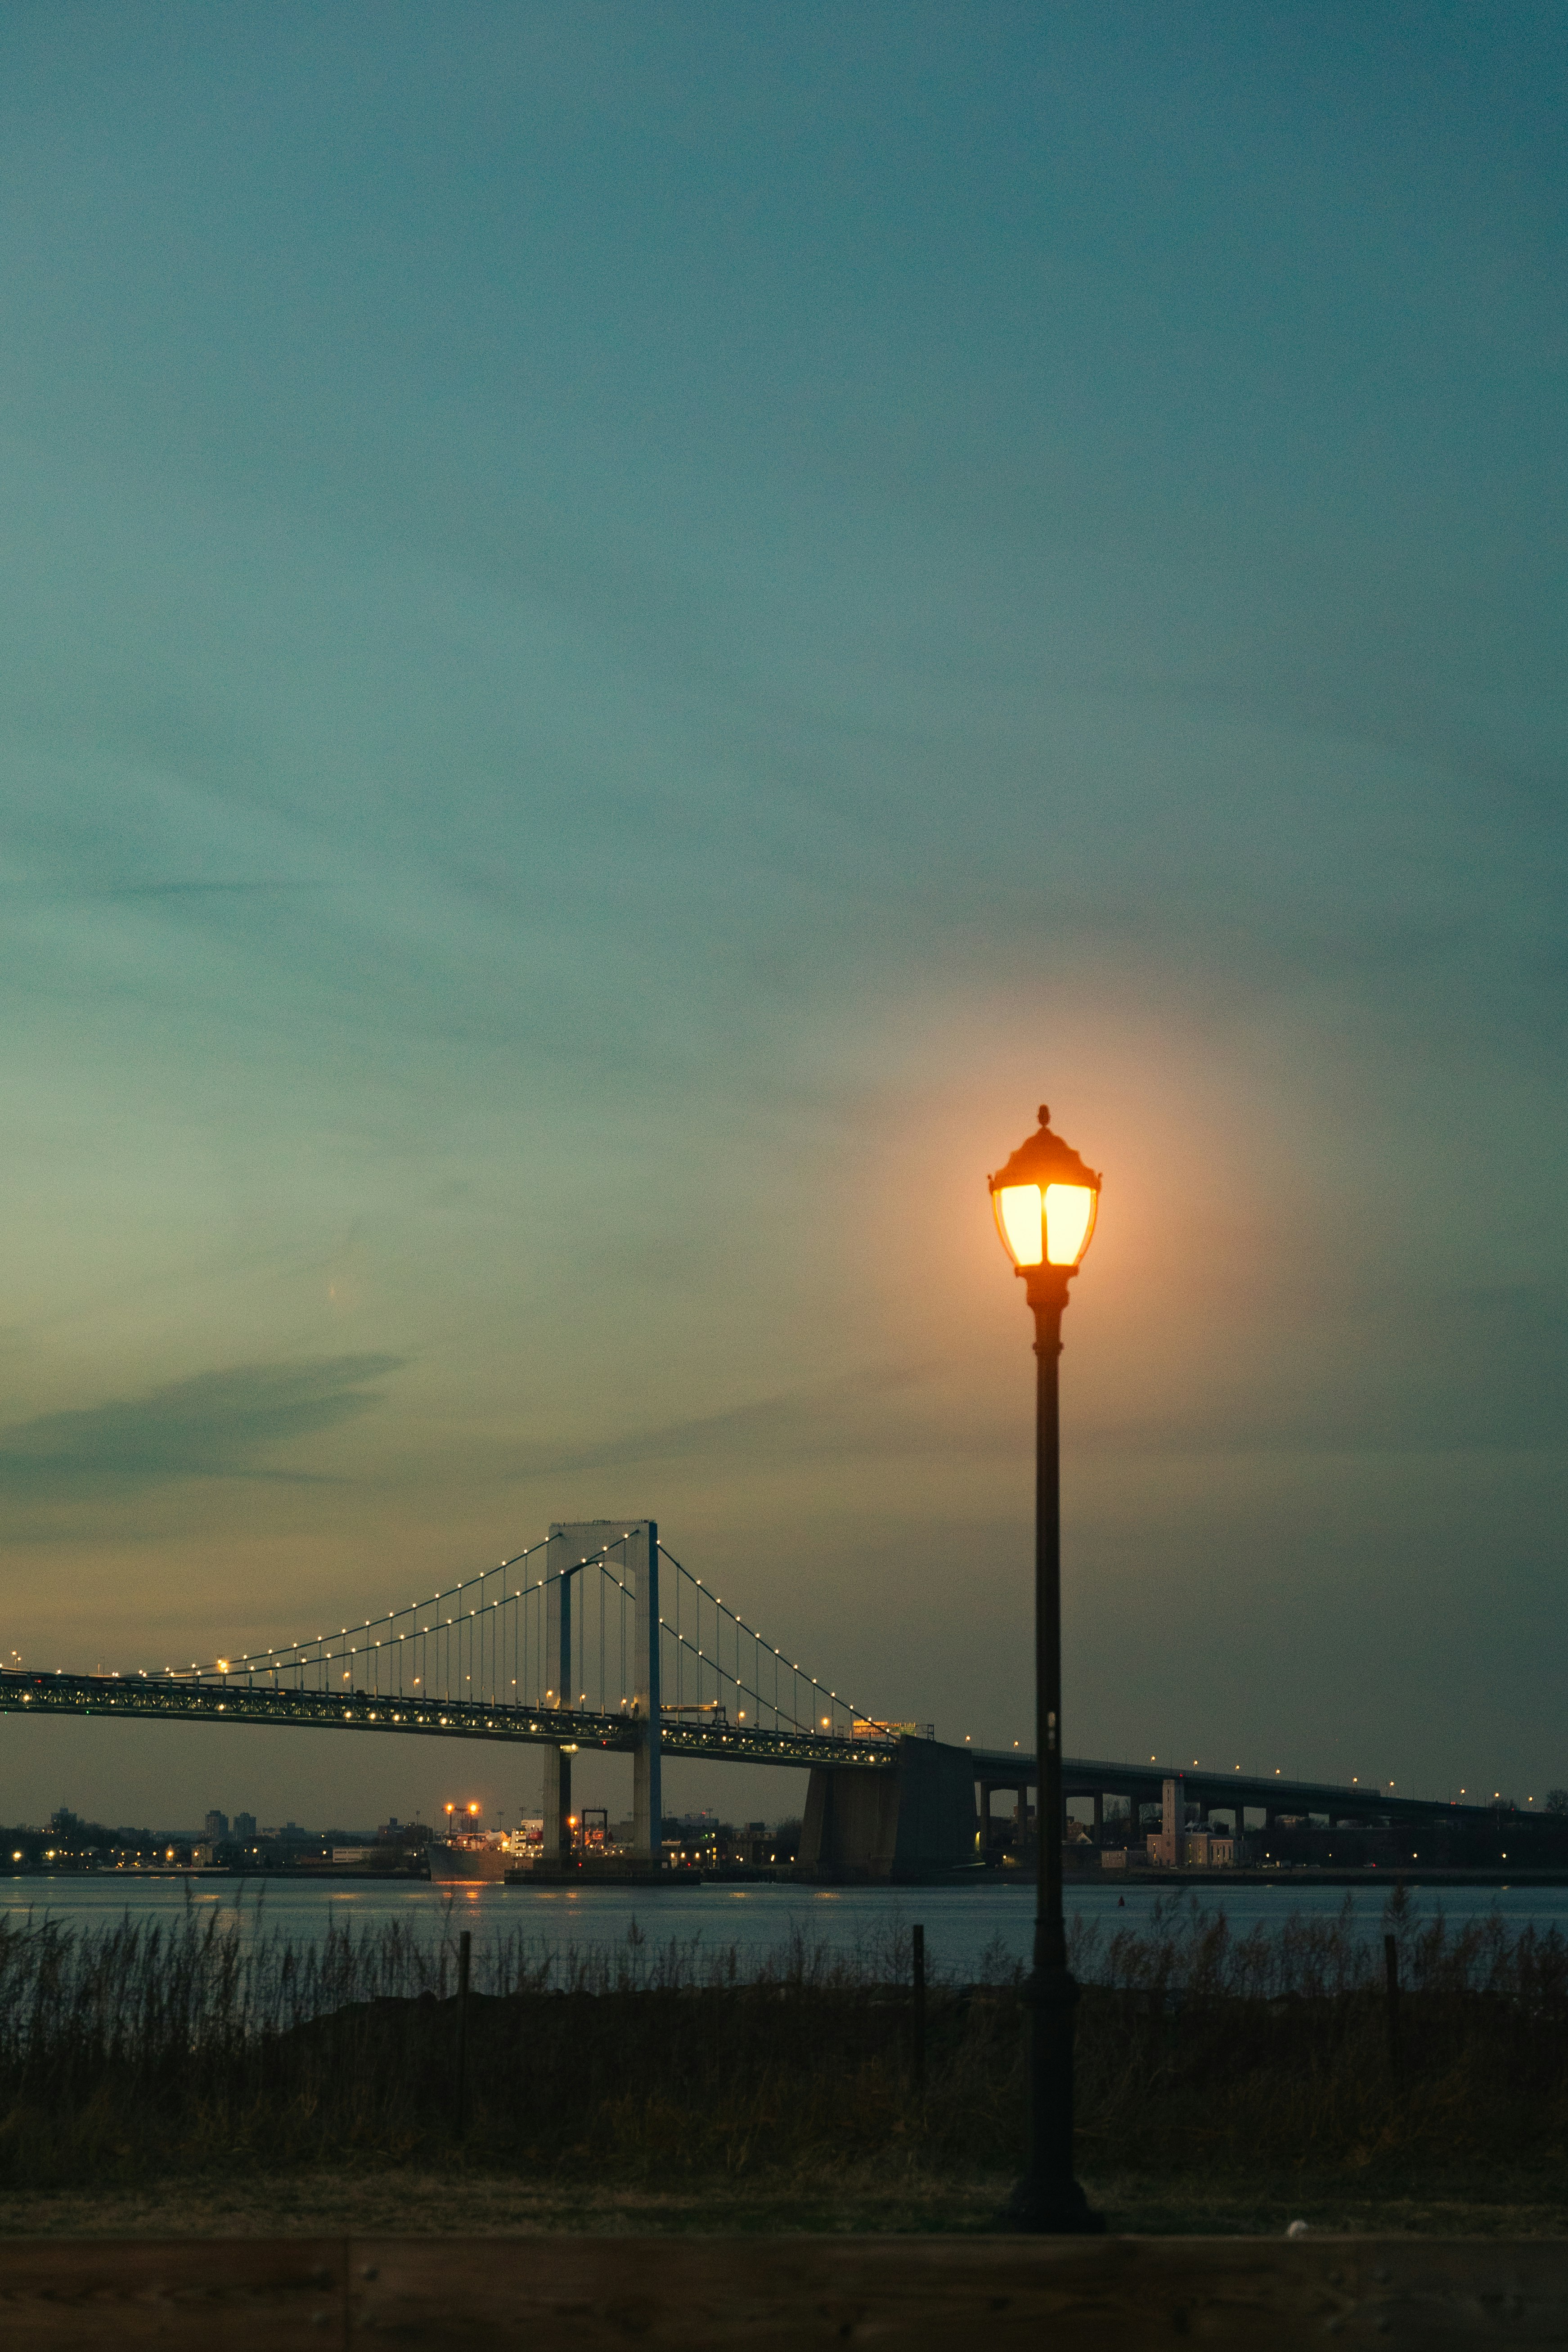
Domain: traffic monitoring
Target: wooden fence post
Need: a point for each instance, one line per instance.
(917, 1966)
(465, 1950)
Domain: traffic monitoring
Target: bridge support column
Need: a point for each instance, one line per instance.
(1019, 1793)
(581, 1546)
(557, 1805)
(1100, 1817)
(647, 1793)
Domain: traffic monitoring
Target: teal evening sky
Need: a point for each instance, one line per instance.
(626, 632)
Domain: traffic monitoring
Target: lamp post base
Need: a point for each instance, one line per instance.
(1050, 2209)
(1048, 2202)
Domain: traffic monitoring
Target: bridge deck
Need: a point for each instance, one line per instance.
(173, 1699)
(176, 1699)
(1084, 1776)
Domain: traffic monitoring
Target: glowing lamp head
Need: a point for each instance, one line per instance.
(1045, 1202)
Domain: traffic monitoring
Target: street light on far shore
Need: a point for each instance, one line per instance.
(1045, 1202)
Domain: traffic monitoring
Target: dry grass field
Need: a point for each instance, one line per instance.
(206, 2080)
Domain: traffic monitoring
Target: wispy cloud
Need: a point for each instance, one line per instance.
(870, 1412)
(198, 889)
(219, 1425)
(44, 893)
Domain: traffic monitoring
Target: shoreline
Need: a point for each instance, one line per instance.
(1311, 1874)
(1303, 1876)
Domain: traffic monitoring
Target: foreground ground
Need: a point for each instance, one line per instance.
(415, 2203)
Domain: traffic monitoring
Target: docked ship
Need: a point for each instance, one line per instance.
(456, 1859)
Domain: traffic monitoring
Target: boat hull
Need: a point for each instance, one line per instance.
(459, 1864)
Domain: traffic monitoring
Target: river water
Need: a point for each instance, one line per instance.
(968, 1928)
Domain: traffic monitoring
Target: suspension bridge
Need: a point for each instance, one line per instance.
(597, 1638)
(594, 1638)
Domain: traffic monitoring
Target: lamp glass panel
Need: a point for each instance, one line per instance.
(1069, 1221)
(1019, 1215)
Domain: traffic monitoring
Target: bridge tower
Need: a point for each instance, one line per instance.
(633, 1544)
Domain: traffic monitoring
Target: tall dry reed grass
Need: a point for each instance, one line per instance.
(143, 2049)
(1203, 2049)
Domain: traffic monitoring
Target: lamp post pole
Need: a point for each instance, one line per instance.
(1048, 2199)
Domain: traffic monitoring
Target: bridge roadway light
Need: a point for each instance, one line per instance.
(1045, 1202)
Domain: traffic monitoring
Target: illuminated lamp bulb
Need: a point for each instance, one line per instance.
(1045, 1201)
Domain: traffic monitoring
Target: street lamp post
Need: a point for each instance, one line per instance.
(1045, 1202)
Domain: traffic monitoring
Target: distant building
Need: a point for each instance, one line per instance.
(1210, 1850)
(1166, 1843)
(244, 1825)
(1182, 1844)
(402, 1833)
(215, 1826)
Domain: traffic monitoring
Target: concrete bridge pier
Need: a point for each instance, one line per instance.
(648, 1792)
(907, 1821)
(986, 1789)
(558, 1806)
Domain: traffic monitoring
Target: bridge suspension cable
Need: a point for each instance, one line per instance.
(764, 1687)
(486, 1640)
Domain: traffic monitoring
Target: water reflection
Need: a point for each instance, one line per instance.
(963, 1925)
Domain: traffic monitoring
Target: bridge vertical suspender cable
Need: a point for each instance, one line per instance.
(460, 1643)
